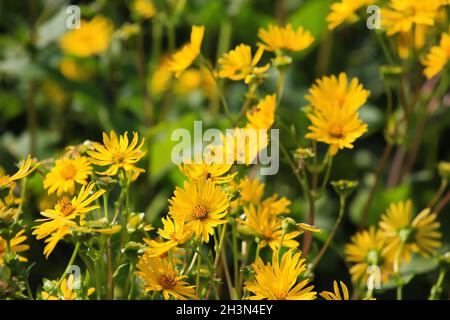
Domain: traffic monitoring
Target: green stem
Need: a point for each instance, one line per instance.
(397, 269)
(437, 288)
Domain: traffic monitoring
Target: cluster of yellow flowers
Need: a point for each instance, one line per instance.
(221, 209)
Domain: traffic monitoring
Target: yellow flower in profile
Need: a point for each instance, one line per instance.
(262, 116)
(334, 115)
(366, 252)
(438, 57)
(60, 221)
(260, 223)
(144, 8)
(251, 191)
(202, 171)
(402, 15)
(336, 294)
(183, 58)
(72, 70)
(203, 206)
(278, 280)
(16, 245)
(188, 81)
(277, 38)
(420, 235)
(67, 291)
(25, 168)
(238, 64)
(91, 38)
(160, 80)
(174, 233)
(277, 206)
(118, 153)
(159, 275)
(66, 173)
(345, 11)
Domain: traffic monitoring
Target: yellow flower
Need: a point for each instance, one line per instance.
(251, 191)
(203, 171)
(8, 214)
(118, 153)
(159, 275)
(238, 64)
(402, 15)
(66, 172)
(241, 145)
(278, 281)
(420, 235)
(161, 77)
(73, 70)
(336, 295)
(183, 58)
(260, 223)
(189, 81)
(277, 206)
(26, 167)
(91, 38)
(334, 113)
(67, 291)
(143, 8)
(16, 245)
(277, 38)
(345, 11)
(174, 233)
(438, 57)
(366, 251)
(203, 206)
(60, 221)
(262, 116)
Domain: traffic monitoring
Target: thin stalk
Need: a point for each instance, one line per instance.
(397, 269)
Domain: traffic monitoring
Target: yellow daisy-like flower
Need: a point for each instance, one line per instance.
(238, 64)
(60, 221)
(420, 235)
(278, 281)
(251, 191)
(26, 167)
(402, 15)
(118, 153)
(336, 294)
(203, 171)
(262, 116)
(203, 206)
(16, 245)
(278, 38)
(182, 59)
(66, 173)
(366, 251)
(73, 70)
(174, 233)
(159, 275)
(334, 115)
(144, 8)
(160, 80)
(91, 38)
(438, 57)
(345, 11)
(67, 291)
(260, 223)
(277, 206)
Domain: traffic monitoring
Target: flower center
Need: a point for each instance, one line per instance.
(66, 206)
(167, 281)
(69, 172)
(200, 212)
(119, 157)
(336, 131)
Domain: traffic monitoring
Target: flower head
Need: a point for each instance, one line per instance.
(118, 153)
(267, 227)
(73, 70)
(278, 280)
(67, 291)
(238, 64)
(262, 116)
(345, 11)
(16, 244)
(366, 251)
(438, 57)
(336, 294)
(183, 58)
(159, 275)
(26, 167)
(202, 171)
(278, 38)
(203, 206)
(419, 235)
(402, 15)
(91, 38)
(66, 173)
(143, 8)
